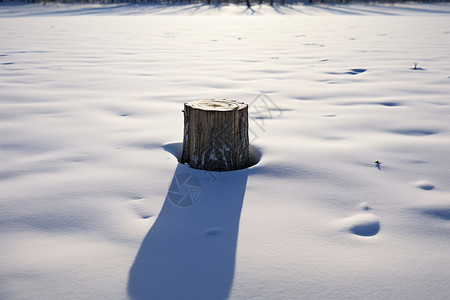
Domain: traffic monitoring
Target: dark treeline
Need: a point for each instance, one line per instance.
(220, 2)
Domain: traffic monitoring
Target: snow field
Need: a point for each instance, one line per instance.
(90, 96)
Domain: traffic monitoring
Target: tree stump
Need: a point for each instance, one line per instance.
(215, 135)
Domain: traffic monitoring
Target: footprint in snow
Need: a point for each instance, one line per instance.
(142, 212)
(356, 71)
(139, 208)
(389, 103)
(424, 185)
(364, 206)
(145, 216)
(363, 224)
(349, 72)
(415, 131)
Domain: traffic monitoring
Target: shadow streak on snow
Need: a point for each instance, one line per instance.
(189, 253)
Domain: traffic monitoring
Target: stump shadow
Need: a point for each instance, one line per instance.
(190, 251)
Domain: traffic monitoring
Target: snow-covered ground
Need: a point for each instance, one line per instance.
(90, 124)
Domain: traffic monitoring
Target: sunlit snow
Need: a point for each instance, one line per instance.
(349, 119)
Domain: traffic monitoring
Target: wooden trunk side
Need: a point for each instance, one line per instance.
(215, 140)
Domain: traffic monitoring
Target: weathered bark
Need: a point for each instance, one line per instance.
(216, 135)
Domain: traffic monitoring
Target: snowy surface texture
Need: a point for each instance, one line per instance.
(351, 197)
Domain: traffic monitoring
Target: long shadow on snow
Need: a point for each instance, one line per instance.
(189, 253)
